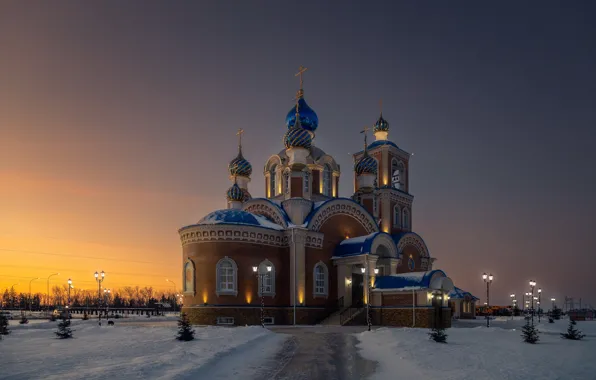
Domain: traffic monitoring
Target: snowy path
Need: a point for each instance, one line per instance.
(134, 350)
(319, 354)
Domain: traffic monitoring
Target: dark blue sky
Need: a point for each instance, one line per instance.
(497, 101)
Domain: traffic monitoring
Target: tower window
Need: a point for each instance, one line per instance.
(396, 216)
(273, 180)
(397, 174)
(327, 180)
(406, 223)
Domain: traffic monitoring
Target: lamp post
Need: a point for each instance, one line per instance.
(68, 303)
(168, 280)
(48, 300)
(99, 277)
(368, 285)
(532, 285)
(488, 279)
(106, 293)
(539, 299)
(30, 300)
(553, 301)
(512, 304)
(261, 280)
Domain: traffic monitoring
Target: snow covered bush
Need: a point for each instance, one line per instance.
(572, 332)
(438, 335)
(185, 331)
(4, 325)
(23, 320)
(64, 331)
(530, 334)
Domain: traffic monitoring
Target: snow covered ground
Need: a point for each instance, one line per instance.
(478, 352)
(134, 349)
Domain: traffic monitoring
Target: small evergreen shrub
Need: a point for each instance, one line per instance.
(572, 332)
(64, 331)
(438, 335)
(530, 333)
(185, 331)
(4, 325)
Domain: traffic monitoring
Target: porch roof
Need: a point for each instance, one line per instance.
(414, 280)
(458, 293)
(360, 245)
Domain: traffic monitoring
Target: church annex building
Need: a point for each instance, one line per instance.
(309, 256)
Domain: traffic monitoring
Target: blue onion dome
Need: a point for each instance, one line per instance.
(297, 137)
(239, 166)
(308, 118)
(235, 193)
(366, 165)
(381, 125)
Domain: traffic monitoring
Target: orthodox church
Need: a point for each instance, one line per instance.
(304, 255)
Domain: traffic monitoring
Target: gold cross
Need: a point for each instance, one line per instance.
(365, 130)
(381, 104)
(239, 134)
(301, 71)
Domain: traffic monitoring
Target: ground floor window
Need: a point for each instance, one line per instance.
(268, 320)
(225, 320)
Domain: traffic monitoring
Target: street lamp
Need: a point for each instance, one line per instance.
(488, 279)
(30, 300)
(53, 274)
(106, 293)
(99, 277)
(512, 304)
(553, 301)
(539, 299)
(532, 285)
(168, 280)
(68, 304)
(368, 285)
(261, 279)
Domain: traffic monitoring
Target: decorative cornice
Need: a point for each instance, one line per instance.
(232, 233)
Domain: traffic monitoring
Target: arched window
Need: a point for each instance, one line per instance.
(273, 180)
(396, 216)
(327, 180)
(227, 273)
(406, 223)
(189, 277)
(266, 279)
(321, 280)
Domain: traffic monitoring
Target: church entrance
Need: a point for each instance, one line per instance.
(357, 290)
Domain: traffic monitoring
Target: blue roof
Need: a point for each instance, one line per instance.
(416, 280)
(276, 205)
(377, 143)
(458, 293)
(356, 246)
(233, 216)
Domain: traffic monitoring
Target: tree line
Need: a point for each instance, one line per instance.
(128, 296)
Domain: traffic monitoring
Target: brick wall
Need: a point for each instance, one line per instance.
(403, 317)
(252, 315)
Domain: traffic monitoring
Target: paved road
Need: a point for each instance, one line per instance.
(324, 353)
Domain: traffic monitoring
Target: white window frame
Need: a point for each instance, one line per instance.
(225, 321)
(397, 215)
(219, 291)
(263, 272)
(316, 289)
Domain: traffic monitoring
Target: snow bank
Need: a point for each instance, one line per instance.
(480, 353)
(127, 351)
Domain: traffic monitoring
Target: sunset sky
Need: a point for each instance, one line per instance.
(118, 119)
